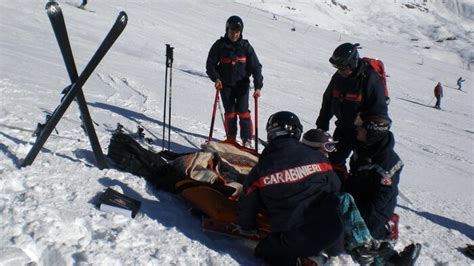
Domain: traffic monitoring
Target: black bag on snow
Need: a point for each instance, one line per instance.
(131, 157)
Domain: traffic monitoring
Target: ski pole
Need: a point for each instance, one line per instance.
(216, 101)
(169, 111)
(220, 112)
(169, 102)
(405, 198)
(256, 123)
(164, 99)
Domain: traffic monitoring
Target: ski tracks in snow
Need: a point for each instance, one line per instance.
(119, 84)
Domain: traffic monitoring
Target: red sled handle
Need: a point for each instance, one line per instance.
(256, 124)
(216, 101)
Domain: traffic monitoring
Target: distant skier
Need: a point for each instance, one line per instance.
(230, 63)
(354, 88)
(438, 92)
(374, 176)
(459, 82)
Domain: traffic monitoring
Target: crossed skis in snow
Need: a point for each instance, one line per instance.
(75, 89)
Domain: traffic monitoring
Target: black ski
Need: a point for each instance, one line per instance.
(109, 40)
(56, 18)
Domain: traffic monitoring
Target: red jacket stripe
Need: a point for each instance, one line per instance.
(291, 175)
(355, 97)
(227, 60)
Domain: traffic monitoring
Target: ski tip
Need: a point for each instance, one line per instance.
(52, 7)
(122, 17)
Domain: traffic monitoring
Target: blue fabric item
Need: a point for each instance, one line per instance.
(355, 230)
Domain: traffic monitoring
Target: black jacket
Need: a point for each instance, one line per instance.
(345, 97)
(233, 63)
(375, 174)
(295, 185)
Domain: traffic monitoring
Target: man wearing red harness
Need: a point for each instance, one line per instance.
(230, 63)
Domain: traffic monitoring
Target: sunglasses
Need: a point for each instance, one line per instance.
(341, 68)
(235, 28)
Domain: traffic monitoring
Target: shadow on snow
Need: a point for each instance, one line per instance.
(138, 117)
(18, 161)
(172, 211)
(445, 222)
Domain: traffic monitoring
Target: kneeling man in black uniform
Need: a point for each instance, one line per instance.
(297, 187)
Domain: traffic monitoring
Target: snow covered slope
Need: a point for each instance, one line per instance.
(46, 210)
(429, 28)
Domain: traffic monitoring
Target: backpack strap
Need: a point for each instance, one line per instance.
(378, 66)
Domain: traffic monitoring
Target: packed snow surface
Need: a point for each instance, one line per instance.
(47, 210)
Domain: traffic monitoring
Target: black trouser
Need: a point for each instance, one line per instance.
(236, 103)
(283, 248)
(438, 102)
(376, 202)
(346, 141)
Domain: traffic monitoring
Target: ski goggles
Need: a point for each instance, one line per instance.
(329, 146)
(340, 67)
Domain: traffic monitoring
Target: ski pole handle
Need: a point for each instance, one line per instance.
(169, 55)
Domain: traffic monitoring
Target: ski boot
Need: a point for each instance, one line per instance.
(369, 252)
(247, 143)
(407, 257)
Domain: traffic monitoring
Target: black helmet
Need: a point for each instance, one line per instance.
(320, 139)
(283, 123)
(234, 23)
(345, 55)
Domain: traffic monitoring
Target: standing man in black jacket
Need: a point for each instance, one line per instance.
(354, 88)
(297, 188)
(230, 63)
